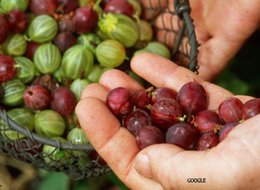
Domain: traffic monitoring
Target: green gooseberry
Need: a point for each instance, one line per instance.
(77, 61)
(9, 5)
(13, 92)
(49, 123)
(23, 117)
(59, 75)
(42, 29)
(55, 155)
(77, 136)
(141, 51)
(136, 77)
(15, 45)
(47, 58)
(137, 7)
(146, 34)
(89, 41)
(119, 27)
(159, 49)
(95, 73)
(77, 87)
(25, 69)
(110, 53)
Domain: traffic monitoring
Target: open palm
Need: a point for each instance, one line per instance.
(221, 27)
(232, 164)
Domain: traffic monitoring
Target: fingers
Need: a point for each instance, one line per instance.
(115, 78)
(215, 55)
(109, 80)
(168, 29)
(162, 72)
(114, 143)
(105, 130)
(95, 90)
(154, 3)
(161, 162)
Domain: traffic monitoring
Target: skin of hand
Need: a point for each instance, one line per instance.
(233, 164)
(221, 28)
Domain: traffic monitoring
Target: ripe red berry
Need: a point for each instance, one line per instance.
(4, 29)
(206, 121)
(119, 6)
(166, 112)
(47, 80)
(225, 130)
(7, 68)
(207, 141)
(64, 40)
(63, 101)
(36, 97)
(119, 101)
(18, 21)
(67, 6)
(230, 110)
(140, 99)
(85, 19)
(30, 49)
(43, 7)
(163, 92)
(251, 108)
(192, 97)
(183, 135)
(135, 120)
(149, 135)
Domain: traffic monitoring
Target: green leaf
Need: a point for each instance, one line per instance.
(231, 82)
(116, 181)
(54, 181)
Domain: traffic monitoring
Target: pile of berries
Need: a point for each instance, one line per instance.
(162, 115)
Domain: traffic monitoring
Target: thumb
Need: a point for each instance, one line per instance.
(155, 162)
(174, 168)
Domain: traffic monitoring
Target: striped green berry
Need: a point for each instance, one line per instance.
(110, 53)
(43, 29)
(47, 58)
(77, 61)
(25, 69)
(9, 5)
(13, 92)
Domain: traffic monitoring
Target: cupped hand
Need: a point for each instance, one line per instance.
(221, 27)
(232, 164)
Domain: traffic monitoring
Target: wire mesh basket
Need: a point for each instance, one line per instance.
(176, 31)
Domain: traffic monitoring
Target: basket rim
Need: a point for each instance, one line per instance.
(42, 139)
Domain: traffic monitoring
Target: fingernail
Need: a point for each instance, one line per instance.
(142, 166)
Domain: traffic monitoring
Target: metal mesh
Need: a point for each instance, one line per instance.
(84, 164)
(173, 26)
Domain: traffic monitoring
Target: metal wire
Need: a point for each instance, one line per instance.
(180, 36)
(183, 11)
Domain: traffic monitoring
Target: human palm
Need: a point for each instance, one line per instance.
(221, 28)
(232, 164)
